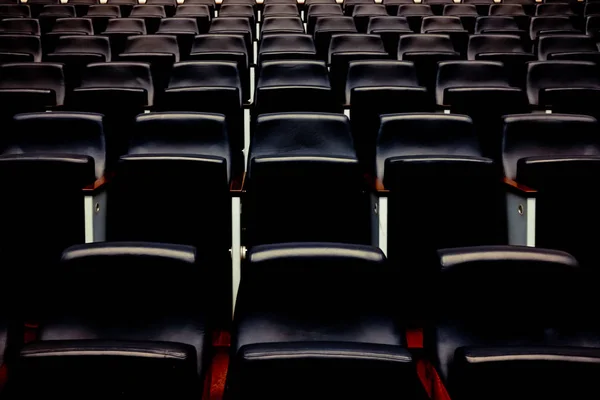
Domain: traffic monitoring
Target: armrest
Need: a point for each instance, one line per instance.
(519, 189)
(98, 186)
(376, 185)
(237, 186)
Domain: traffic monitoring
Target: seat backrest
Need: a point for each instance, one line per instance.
(498, 24)
(443, 23)
(552, 44)
(79, 25)
(424, 43)
(479, 44)
(84, 45)
(69, 133)
(380, 73)
(559, 74)
(541, 25)
(149, 44)
(119, 75)
(470, 74)
(126, 25)
(355, 43)
(187, 133)
(506, 9)
(26, 26)
(47, 76)
(530, 135)
(425, 134)
(21, 44)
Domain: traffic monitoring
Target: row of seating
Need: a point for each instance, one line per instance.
(304, 183)
(148, 338)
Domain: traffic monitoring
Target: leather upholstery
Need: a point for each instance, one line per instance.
(208, 86)
(506, 10)
(301, 370)
(495, 43)
(20, 48)
(60, 133)
(188, 134)
(362, 13)
(327, 26)
(543, 75)
(553, 9)
(119, 76)
(286, 46)
(530, 135)
(281, 24)
(425, 134)
(284, 85)
(520, 316)
(18, 26)
(568, 47)
(550, 25)
(468, 74)
(280, 10)
(180, 319)
(362, 308)
(234, 26)
(502, 24)
(24, 79)
(316, 11)
(116, 339)
(305, 162)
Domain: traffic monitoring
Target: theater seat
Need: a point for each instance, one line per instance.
(144, 339)
(528, 342)
(304, 181)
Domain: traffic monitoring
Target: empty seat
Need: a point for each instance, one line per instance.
(225, 47)
(377, 87)
(342, 281)
(364, 12)
(563, 86)
(414, 13)
(426, 50)
(304, 181)
(543, 152)
(168, 5)
(150, 14)
(592, 26)
(66, 26)
(316, 11)
(507, 49)
(551, 25)
(114, 344)
(50, 13)
(201, 13)
(20, 48)
(501, 25)
(568, 47)
(390, 29)
(392, 5)
(450, 26)
(480, 89)
(209, 3)
(528, 335)
(325, 27)
(286, 46)
(76, 52)
(234, 26)
(208, 86)
(125, 5)
(349, 47)
(185, 29)
(120, 29)
(182, 147)
(31, 87)
(120, 91)
(160, 51)
(278, 25)
(280, 10)
(294, 85)
(515, 11)
(349, 5)
(101, 14)
(82, 6)
(37, 6)
(59, 153)
(297, 342)
(14, 11)
(437, 6)
(20, 26)
(466, 12)
(238, 10)
(554, 9)
(439, 156)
